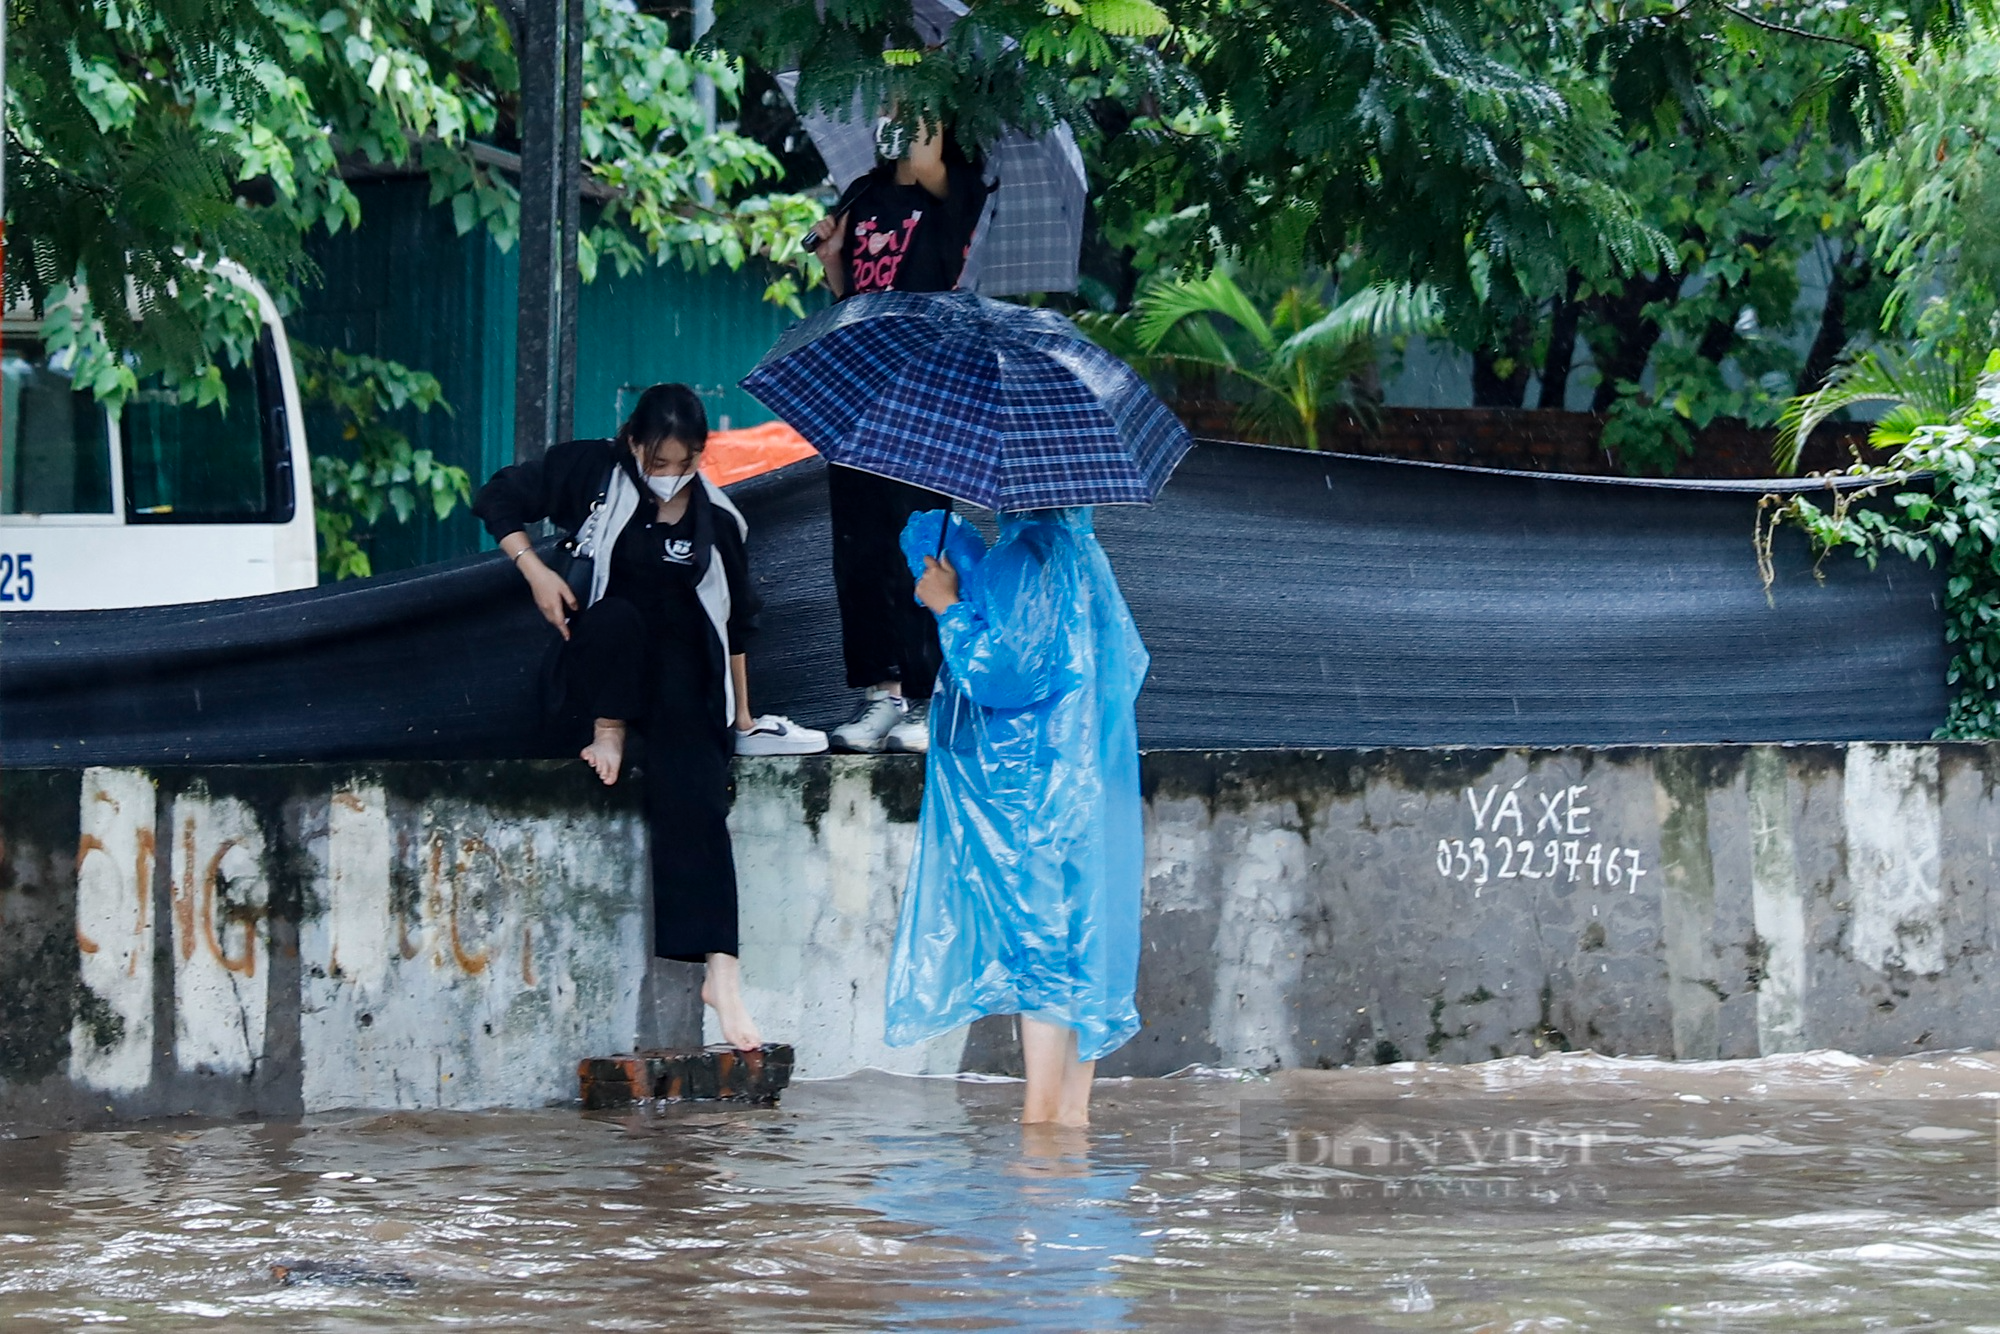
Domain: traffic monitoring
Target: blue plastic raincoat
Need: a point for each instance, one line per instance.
(1024, 894)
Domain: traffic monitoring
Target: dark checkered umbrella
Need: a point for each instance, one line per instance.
(998, 405)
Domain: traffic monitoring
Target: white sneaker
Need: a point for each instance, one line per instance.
(867, 734)
(775, 734)
(912, 736)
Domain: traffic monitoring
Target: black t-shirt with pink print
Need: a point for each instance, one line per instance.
(903, 238)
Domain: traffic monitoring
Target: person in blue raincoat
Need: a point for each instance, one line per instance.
(1024, 895)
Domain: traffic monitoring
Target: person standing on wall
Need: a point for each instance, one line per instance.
(904, 227)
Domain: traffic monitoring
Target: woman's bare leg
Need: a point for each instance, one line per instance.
(606, 751)
(1058, 1084)
(722, 991)
(1044, 1054)
(1078, 1077)
(1051, 1150)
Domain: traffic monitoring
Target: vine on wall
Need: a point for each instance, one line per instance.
(1944, 508)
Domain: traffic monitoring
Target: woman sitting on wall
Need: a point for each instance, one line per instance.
(658, 647)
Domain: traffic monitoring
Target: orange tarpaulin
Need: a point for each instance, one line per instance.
(732, 456)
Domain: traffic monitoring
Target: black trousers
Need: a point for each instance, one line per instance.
(885, 633)
(622, 662)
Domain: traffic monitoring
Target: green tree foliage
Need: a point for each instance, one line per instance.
(379, 471)
(1297, 132)
(148, 139)
(1652, 176)
(1738, 127)
(1006, 64)
(1930, 195)
(1927, 200)
(1433, 142)
(1295, 360)
(671, 187)
(1394, 129)
(149, 136)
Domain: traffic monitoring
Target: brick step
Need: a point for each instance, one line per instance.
(704, 1074)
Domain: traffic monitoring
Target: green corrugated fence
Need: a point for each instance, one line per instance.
(406, 286)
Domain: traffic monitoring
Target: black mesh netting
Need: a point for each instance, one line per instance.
(1289, 599)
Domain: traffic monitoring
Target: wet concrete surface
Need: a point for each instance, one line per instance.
(287, 940)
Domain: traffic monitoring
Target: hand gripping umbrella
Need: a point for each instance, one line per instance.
(1001, 406)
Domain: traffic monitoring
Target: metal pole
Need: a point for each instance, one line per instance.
(704, 88)
(551, 61)
(535, 320)
(3, 174)
(571, 173)
(3, 130)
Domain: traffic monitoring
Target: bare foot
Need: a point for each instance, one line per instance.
(722, 991)
(606, 750)
(1052, 1150)
(1057, 1120)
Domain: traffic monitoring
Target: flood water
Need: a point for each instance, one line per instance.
(1567, 1193)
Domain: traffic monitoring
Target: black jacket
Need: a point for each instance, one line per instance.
(566, 481)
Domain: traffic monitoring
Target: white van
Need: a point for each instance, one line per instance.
(160, 502)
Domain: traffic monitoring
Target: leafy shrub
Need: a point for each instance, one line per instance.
(1944, 507)
(379, 471)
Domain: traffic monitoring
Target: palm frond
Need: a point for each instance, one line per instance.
(1329, 366)
(1197, 363)
(1269, 415)
(1191, 348)
(1169, 304)
(1929, 390)
(1382, 310)
(1117, 333)
(1898, 426)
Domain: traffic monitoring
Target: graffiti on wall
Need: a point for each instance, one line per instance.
(219, 898)
(452, 948)
(111, 1042)
(1536, 834)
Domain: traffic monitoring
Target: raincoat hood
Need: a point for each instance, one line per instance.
(1024, 894)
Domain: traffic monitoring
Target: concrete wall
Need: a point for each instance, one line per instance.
(288, 940)
(284, 940)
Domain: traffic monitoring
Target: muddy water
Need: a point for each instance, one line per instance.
(1794, 1193)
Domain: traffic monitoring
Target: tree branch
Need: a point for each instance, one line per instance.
(21, 150)
(1785, 29)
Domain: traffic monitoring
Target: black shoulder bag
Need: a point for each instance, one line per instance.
(576, 568)
(579, 572)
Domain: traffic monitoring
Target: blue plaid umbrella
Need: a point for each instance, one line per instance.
(1002, 406)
